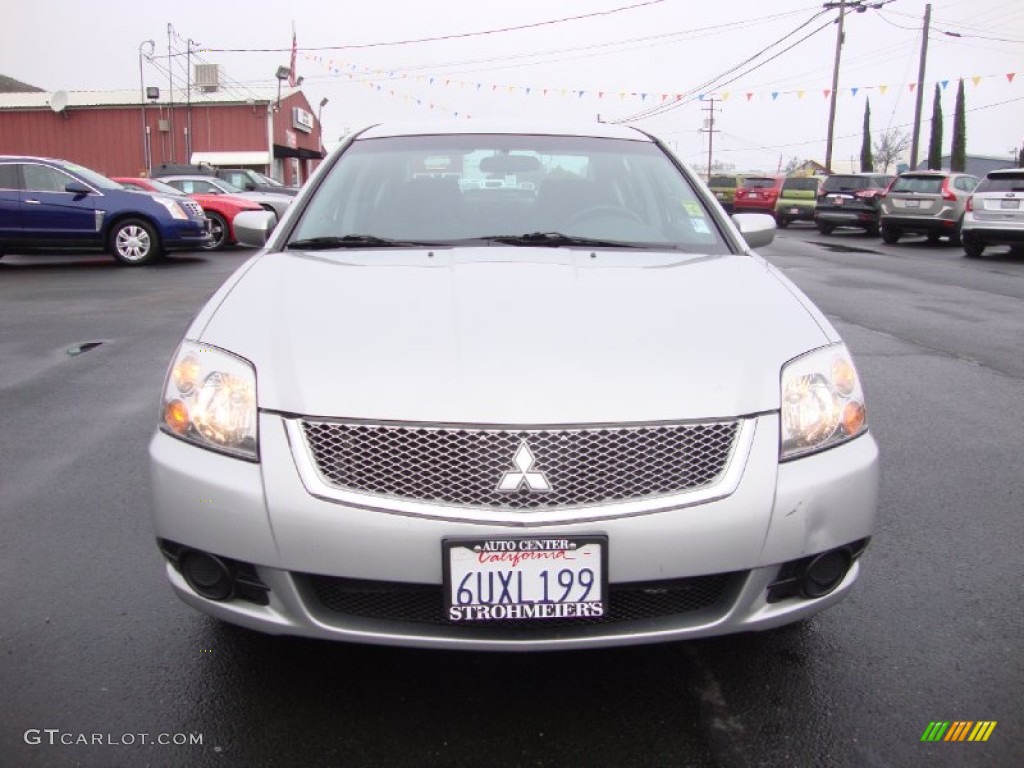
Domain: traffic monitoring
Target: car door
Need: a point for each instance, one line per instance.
(50, 215)
(10, 202)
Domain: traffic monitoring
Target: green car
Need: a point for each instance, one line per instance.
(797, 199)
(723, 186)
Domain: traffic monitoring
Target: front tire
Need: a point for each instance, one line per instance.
(890, 236)
(218, 232)
(134, 242)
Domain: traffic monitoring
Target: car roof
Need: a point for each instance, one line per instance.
(1006, 172)
(520, 127)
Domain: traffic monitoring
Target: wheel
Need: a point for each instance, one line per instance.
(933, 238)
(890, 236)
(782, 222)
(602, 211)
(973, 249)
(218, 231)
(134, 242)
(825, 228)
(872, 230)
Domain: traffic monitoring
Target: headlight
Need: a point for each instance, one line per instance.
(822, 402)
(172, 207)
(210, 400)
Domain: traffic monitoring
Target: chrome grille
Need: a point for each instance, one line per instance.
(464, 466)
(192, 207)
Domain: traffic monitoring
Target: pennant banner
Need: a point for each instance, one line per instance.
(352, 71)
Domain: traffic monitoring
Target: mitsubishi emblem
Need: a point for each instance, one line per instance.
(514, 479)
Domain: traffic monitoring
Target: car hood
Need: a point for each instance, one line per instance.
(513, 335)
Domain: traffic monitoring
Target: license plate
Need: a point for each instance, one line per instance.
(913, 203)
(720, 195)
(837, 201)
(1011, 204)
(794, 210)
(525, 578)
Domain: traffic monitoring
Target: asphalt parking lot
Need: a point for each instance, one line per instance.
(95, 643)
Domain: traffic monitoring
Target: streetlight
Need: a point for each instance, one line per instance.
(142, 102)
(320, 111)
(283, 73)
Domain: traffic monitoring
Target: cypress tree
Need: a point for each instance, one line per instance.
(867, 162)
(935, 143)
(958, 155)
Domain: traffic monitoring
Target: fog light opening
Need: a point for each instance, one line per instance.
(208, 575)
(825, 572)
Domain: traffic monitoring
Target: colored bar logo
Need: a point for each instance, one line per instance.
(958, 730)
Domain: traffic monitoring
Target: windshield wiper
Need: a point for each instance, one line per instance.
(556, 239)
(353, 241)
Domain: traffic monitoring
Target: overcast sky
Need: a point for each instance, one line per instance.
(617, 64)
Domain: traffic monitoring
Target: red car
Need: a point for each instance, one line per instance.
(758, 194)
(219, 209)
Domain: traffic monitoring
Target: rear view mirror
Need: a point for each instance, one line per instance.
(758, 229)
(77, 188)
(510, 164)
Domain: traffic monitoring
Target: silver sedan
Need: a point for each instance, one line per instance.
(511, 387)
(210, 185)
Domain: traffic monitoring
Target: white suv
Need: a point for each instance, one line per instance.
(995, 212)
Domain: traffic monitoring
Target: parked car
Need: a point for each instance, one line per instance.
(758, 194)
(929, 203)
(210, 185)
(995, 213)
(797, 199)
(219, 209)
(724, 186)
(463, 416)
(55, 204)
(243, 178)
(850, 200)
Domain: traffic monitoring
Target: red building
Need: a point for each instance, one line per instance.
(119, 133)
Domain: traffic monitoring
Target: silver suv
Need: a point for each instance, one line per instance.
(995, 213)
(930, 203)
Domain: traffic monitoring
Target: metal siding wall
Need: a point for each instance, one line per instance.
(109, 139)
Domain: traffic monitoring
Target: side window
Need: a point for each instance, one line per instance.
(966, 183)
(9, 176)
(42, 178)
(204, 187)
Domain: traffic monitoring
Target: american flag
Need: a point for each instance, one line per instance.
(291, 66)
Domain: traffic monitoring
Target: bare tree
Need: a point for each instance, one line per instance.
(890, 145)
(792, 165)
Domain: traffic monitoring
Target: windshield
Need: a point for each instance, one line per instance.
(160, 186)
(96, 179)
(460, 188)
(759, 183)
(269, 181)
(930, 185)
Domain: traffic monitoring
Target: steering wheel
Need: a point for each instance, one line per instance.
(600, 211)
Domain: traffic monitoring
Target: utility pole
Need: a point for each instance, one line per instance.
(920, 87)
(188, 113)
(709, 129)
(835, 82)
(170, 87)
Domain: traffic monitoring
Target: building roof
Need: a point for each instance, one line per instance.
(10, 85)
(233, 95)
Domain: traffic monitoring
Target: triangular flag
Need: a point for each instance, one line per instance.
(854, 92)
(799, 94)
(976, 79)
(643, 97)
(1010, 76)
(944, 83)
(749, 96)
(883, 88)
(775, 95)
(600, 94)
(826, 92)
(911, 86)
(725, 96)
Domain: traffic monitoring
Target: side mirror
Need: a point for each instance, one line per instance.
(758, 229)
(253, 228)
(77, 188)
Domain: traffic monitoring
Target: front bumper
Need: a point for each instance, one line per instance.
(263, 514)
(182, 235)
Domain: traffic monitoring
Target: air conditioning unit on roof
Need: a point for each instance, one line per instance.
(207, 77)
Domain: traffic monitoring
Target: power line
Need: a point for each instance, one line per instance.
(455, 36)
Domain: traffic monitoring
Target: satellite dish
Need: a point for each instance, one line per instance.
(59, 101)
